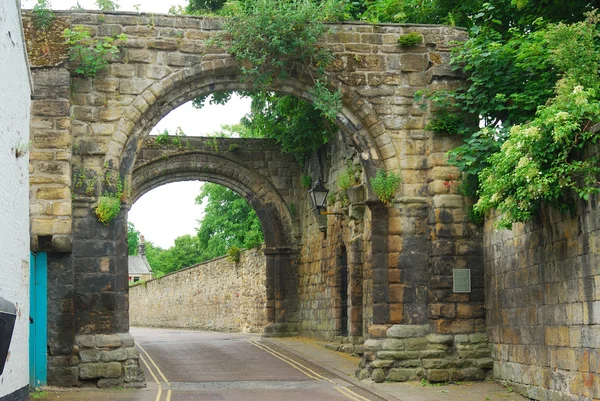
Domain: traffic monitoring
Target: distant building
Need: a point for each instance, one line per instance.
(139, 268)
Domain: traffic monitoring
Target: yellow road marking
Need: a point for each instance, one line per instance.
(351, 394)
(159, 372)
(299, 368)
(155, 378)
(291, 361)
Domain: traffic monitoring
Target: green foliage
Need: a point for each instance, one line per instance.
(410, 40)
(233, 254)
(42, 15)
(377, 11)
(85, 181)
(536, 91)
(228, 221)
(109, 205)
(293, 210)
(107, 5)
(544, 161)
(90, 54)
(184, 253)
(349, 177)
(108, 208)
(295, 124)
(202, 6)
(385, 185)
(306, 181)
(330, 199)
(212, 144)
(133, 239)
(165, 138)
(272, 38)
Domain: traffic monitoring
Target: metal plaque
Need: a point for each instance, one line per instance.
(462, 280)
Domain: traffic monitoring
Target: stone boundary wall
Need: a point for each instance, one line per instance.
(543, 304)
(217, 295)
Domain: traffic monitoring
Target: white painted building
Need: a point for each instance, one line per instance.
(15, 101)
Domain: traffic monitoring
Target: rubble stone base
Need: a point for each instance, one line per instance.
(109, 360)
(409, 352)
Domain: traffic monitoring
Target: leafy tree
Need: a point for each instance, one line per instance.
(198, 6)
(185, 252)
(228, 221)
(133, 239)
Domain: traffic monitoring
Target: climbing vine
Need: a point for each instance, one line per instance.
(90, 54)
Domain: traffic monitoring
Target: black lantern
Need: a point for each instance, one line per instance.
(318, 195)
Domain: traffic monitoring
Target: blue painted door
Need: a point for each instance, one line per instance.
(38, 319)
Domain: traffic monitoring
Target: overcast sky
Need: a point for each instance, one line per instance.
(167, 212)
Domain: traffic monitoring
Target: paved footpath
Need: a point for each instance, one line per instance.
(185, 365)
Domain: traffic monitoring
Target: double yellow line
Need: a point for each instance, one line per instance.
(160, 373)
(308, 372)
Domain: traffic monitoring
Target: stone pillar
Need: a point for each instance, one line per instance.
(379, 262)
(103, 345)
(282, 297)
(100, 267)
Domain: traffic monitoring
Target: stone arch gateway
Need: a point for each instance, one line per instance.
(89, 132)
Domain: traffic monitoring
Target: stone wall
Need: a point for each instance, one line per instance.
(15, 92)
(218, 295)
(543, 304)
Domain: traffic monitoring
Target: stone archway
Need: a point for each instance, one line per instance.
(404, 252)
(234, 170)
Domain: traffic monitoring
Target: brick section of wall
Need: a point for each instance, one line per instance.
(217, 295)
(543, 304)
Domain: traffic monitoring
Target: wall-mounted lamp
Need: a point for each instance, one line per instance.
(318, 196)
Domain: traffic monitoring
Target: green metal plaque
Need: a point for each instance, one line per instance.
(462, 280)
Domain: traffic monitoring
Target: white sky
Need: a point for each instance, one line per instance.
(167, 212)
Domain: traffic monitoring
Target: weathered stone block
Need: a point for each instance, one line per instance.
(398, 355)
(63, 376)
(109, 30)
(85, 341)
(108, 341)
(438, 375)
(50, 108)
(117, 355)
(440, 339)
(126, 340)
(100, 370)
(110, 383)
(402, 375)
(413, 62)
(89, 355)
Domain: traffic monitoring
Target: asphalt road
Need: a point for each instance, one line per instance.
(192, 365)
